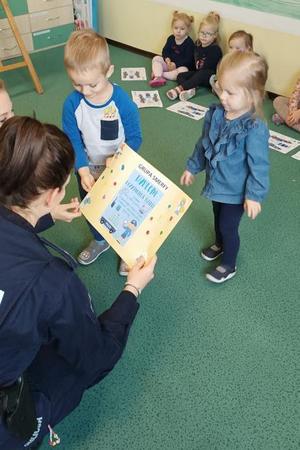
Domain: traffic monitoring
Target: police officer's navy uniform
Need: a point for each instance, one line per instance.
(48, 327)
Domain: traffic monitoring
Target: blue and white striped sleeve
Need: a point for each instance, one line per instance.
(130, 118)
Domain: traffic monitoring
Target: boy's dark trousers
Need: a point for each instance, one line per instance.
(227, 219)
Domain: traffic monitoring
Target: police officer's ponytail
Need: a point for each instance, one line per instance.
(34, 157)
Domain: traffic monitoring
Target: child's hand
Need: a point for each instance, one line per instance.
(171, 66)
(86, 178)
(108, 161)
(293, 117)
(187, 178)
(252, 208)
(66, 211)
(167, 61)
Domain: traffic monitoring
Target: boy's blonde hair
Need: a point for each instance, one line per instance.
(86, 50)
(249, 72)
(187, 20)
(241, 34)
(212, 19)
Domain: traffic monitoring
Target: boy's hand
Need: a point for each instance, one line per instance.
(86, 178)
(187, 178)
(252, 208)
(108, 161)
(66, 211)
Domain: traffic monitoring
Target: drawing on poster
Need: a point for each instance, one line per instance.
(147, 99)
(188, 109)
(282, 143)
(129, 208)
(133, 74)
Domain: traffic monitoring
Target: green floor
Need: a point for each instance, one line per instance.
(207, 367)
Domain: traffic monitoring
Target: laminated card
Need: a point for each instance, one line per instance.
(134, 206)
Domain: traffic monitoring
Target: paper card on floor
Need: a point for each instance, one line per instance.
(282, 143)
(296, 155)
(188, 109)
(145, 99)
(134, 206)
(133, 73)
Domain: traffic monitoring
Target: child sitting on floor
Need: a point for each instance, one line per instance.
(178, 52)
(207, 55)
(240, 41)
(288, 109)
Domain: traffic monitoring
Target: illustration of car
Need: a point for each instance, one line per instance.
(108, 225)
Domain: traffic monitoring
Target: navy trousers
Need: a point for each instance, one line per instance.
(227, 220)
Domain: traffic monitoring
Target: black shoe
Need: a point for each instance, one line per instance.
(211, 253)
(221, 274)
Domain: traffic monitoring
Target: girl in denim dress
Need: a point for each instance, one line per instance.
(233, 150)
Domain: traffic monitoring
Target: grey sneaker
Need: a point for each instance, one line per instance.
(123, 268)
(221, 274)
(211, 253)
(92, 252)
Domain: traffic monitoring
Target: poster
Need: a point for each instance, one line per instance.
(134, 206)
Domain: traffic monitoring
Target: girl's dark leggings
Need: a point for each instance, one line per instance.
(227, 220)
(194, 79)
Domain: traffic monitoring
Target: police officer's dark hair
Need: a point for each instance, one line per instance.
(34, 157)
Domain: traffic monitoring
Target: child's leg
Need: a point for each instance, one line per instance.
(281, 107)
(98, 245)
(228, 225)
(194, 79)
(173, 74)
(158, 66)
(174, 93)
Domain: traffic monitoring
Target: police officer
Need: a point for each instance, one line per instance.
(52, 345)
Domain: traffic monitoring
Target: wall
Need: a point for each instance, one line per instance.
(145, 24)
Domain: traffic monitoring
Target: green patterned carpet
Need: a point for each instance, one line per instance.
(207, 367)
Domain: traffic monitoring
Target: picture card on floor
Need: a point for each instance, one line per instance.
(282, 143)
(134, 206)
(133, 74)
(189, 109)
(147, 99)
(296, 155)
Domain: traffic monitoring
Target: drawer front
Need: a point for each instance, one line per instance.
(9, 47)
(22, 22)
(51, 18)
(18, 7)
(42, 5)
(52, 36)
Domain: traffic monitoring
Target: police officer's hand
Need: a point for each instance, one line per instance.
(66, 211)
(141, 274)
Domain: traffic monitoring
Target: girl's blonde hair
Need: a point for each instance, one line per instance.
(250, 72)
(187, 20)
(241, 34)
(212, 19)
(86, 50)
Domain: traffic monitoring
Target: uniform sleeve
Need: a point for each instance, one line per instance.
(131, 121)
(91, 345)
(167, 50)
(71, 129)
(196, 162)
(44, 223)
(257, 149)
